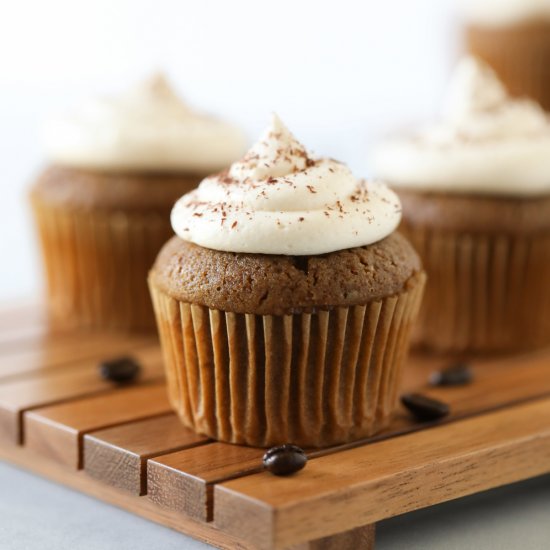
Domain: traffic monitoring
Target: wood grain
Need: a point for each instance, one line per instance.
(498, 382)
(57, 431)
(360, 486)
(58, 385)
(183, 481)
(51, 351)
(118, 456)
(332, 504)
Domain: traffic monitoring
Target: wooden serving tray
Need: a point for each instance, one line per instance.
(58, 418)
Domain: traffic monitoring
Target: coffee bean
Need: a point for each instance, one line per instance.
(425, 408)
(121, 370)
(458, 374)
(284, 460)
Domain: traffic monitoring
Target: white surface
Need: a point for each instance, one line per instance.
(36, 514)
(337, 72)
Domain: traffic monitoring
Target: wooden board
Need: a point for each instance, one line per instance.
(60, 419)
(57, 431)
(79, 379)
(118, 456)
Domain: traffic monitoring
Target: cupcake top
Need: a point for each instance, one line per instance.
(485, 142)
(279, 200)
(505, 12)
(147, 129)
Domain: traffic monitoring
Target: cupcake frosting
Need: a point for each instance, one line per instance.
(485, 142)
(280, 200)
(505, 12)
(147, 129)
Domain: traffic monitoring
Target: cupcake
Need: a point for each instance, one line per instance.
(102, 205)
(513, 36)
(475, 189)
(285, 300)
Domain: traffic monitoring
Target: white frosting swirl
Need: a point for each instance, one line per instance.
(505, 12)
(278, 200)
(148, 129)
(486, 142)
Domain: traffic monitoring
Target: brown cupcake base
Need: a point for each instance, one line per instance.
(96, 265)
(313, 379)
(488, 289)
(100, 234)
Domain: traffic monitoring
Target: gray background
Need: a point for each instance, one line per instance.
(38, 515)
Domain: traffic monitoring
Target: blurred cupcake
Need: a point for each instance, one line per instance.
(285, 301)
(513, 36)
(102, 205)
(475, 189)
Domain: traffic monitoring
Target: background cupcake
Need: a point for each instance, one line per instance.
(102, 205)
(475, 189)
(513, 36)
(285, 302)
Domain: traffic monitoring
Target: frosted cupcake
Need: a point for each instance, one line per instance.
(285, 301)
(116, 167)
(514, 37)
(475, 188)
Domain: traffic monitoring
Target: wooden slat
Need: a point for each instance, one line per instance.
(57, 431)
(360, 486)
(58, 350)
(497, 382)
(183, 481)
(57, 385)
(118, 456)
(362, 539)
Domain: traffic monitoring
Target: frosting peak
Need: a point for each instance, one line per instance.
(484, 142)
(148, 128)
(474, 88)
(157, 92)
(479, 107)
(277, 153)
(279, 200)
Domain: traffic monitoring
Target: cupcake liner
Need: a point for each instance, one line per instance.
(313, 379)
(486, 292)
(520, 55)
(96, 265)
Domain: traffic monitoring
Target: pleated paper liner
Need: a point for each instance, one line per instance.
(96, 265)
(486, 292)
(519, 54)
(310, 379)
